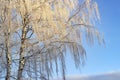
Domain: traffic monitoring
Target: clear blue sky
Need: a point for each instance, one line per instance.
(102, 59)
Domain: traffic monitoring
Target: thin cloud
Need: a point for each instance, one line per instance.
(103, 76)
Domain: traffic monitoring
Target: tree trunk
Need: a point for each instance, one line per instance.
(8, 56)
(22, 59)
(8, 66)
(7, 43)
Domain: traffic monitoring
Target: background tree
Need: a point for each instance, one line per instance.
(37, 34)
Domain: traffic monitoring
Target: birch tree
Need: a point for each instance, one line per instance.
(38, 33)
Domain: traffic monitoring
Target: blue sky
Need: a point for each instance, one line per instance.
(102, 59)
